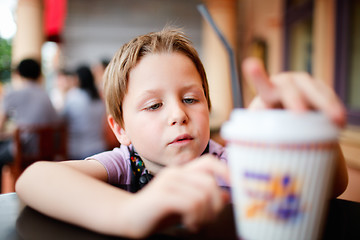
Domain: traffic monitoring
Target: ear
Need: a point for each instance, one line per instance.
(118, 131)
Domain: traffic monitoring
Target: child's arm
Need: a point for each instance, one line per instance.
(298, 92)
(65, 191)
(72, 192)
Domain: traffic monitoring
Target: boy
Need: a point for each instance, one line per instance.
(158, 107)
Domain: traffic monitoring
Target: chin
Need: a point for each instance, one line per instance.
(184, 160)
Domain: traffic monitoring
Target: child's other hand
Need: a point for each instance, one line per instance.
(189, 193)
(296, 91)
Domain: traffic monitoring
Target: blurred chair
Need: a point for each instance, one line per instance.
(47, 142)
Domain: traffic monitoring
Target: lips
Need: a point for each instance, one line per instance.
(182, 139)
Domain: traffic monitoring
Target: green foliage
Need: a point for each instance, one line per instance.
(5, 60)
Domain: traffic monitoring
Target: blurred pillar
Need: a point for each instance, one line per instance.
(324, 40)
(216, 60)
(29, 36)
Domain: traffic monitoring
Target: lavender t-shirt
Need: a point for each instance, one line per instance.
(117, 163)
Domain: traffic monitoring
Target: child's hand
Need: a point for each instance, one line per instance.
(298, 92)
(292, 90)
(189, 193)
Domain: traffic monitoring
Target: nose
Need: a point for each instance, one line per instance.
(177, 115)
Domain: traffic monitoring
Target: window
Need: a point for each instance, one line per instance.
(7, 32)
(298, 35)
(347, 62)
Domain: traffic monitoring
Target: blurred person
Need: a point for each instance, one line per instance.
(158, 104)
(63, 83)
(84, 112)
(27, 104)
(98, 71)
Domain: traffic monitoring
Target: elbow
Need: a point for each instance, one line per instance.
(28, 178)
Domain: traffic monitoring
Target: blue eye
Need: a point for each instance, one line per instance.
(154, 107)
(189, 100)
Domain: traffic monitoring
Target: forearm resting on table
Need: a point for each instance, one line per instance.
(64, 193)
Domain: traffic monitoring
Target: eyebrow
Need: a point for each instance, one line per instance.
(193, 85)
(149, 92)
(184, 88)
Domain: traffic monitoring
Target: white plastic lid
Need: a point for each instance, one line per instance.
(278, 126)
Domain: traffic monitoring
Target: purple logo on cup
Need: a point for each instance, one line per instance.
(274, 196)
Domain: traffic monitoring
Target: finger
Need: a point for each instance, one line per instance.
(192, 198)
(175, 199)
(290, 96)
(190, 202)
(204, 197)
(196, 200)
(254, 72)
(212, 167)
(213, 194)
(205, 206)
(210, 164)
(257, 103)
(322, 97)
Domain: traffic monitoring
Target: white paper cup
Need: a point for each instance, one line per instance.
(282, 165)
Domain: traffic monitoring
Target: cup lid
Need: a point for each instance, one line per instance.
(278, 126)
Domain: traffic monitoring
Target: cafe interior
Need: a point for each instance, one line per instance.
(321, 37)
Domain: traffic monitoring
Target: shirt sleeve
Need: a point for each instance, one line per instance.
(219, 151)
(116, 164)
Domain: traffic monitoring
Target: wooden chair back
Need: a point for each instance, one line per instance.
(47, 142)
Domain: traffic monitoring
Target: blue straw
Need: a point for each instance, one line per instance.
(235, 83)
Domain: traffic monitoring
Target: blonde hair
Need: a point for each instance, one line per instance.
(116, 75)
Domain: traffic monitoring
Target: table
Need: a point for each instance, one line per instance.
(21, 222)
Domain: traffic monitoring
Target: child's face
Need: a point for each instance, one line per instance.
(166, 116)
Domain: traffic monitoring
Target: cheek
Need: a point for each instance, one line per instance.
(146, 126)
(203, 114)
(202, 119)
(146, 136)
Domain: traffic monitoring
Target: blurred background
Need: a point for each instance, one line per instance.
(321, 37)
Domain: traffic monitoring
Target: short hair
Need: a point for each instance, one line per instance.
(117, 73)
(29, 68)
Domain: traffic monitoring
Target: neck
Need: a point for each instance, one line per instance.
(152, 167)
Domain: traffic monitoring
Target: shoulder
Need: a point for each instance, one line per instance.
(114, 155)
(11, 97)
(116, 164)
(34, 92)
(11, 94)
(76, 100)
(75, 93)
